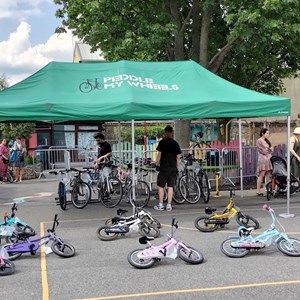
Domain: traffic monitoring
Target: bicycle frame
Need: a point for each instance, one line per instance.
(12, 219)
(230, 211)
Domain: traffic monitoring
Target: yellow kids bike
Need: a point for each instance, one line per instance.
(215, 220)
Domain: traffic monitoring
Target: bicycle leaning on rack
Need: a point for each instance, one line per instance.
(241, 245)
(214, 220)
(146, 258)
(31, 246)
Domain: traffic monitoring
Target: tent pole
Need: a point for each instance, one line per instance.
(241, 157)
(288, 157)
(133, 165)
(119, 143)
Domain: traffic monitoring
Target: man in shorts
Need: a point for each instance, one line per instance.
(167, 162)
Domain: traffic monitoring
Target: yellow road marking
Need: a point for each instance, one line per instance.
(45, 289)
(221, 288)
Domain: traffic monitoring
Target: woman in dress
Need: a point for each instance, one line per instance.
(19, 162)
(295, 152)
(4, 160)
(264, 165)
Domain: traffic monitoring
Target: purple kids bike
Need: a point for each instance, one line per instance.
(31, 246)
(144, 259)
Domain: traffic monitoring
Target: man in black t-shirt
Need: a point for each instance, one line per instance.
(167, 162)
(104, 150)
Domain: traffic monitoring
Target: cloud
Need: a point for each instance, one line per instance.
(19, 59)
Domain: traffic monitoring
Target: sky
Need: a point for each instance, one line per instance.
(27, 38)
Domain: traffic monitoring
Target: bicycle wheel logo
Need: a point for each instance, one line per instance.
(90, 85)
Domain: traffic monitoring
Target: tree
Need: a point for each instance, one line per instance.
(252, 43)
(11, 130)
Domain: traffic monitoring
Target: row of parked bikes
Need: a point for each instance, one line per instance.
(19, 237)
(112, 182)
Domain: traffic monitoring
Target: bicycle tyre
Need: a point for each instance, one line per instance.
(204, 227)
(193, 256)
(233, 252)
(81, 195)
(26, 229)
(62, 196)
(106, 236)
(289, 249)
(142, 193)
(12, 255)
(177, 196)
(204, 187)
(146, 229)
(246, 220)
(10, 177)
(63, 249)
(114, 196)
(189, 189)
(153, 221)
(140, 263)
(7, 268)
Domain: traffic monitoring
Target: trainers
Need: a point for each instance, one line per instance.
(169, 207)
(159, 207)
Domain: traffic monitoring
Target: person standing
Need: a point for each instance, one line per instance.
(295, 152)
(167, 162)
(4, 161)
(19, 162)
(264, 165)
(104, 149)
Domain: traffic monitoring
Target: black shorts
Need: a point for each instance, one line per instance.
(167, 177)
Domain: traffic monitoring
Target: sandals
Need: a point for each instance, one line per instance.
(260, 194)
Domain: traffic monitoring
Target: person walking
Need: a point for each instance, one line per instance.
(19, 162)
(104, 149)
(167, 162)
(4, 160)
(264, 165)
(295, 152)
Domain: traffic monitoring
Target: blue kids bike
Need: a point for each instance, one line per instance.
(241, 245)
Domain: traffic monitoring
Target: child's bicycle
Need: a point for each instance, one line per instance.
(241, 245)
(20, 226)
(146, 258)
(139, 212)
(31, 246)
(214, 220)
(7, 267)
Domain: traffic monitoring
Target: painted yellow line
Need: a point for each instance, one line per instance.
(213, 289)
(45, 289)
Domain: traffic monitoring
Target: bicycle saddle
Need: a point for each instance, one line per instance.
(145, 239)
(209, 210)
(121, 211)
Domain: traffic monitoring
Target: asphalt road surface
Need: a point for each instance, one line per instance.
(100, 270)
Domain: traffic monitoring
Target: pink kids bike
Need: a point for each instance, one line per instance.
(144, 259)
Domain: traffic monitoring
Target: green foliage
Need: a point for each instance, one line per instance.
(28, 160)
(12, 130)
(262, 36)
(152, 132)
(3, 82)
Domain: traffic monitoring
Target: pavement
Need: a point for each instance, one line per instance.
(100, 270)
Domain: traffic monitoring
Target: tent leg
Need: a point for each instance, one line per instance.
(241, 157)
(288, 214)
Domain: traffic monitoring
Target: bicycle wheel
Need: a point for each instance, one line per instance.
(26, 229)
(289, 247)
(177, 196)
(111, 196)
(7, 268)
(246, 220)
(204, 187)
(10, 176)
(142, 193)
(103, 235)
(140, 263)
(190, 255)
(81, 194)
(62, 195)
(12, 255)
(233, 252)
(153, 221)
(189, 189)
(146, 229)
(63, 249)
(201, 223)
